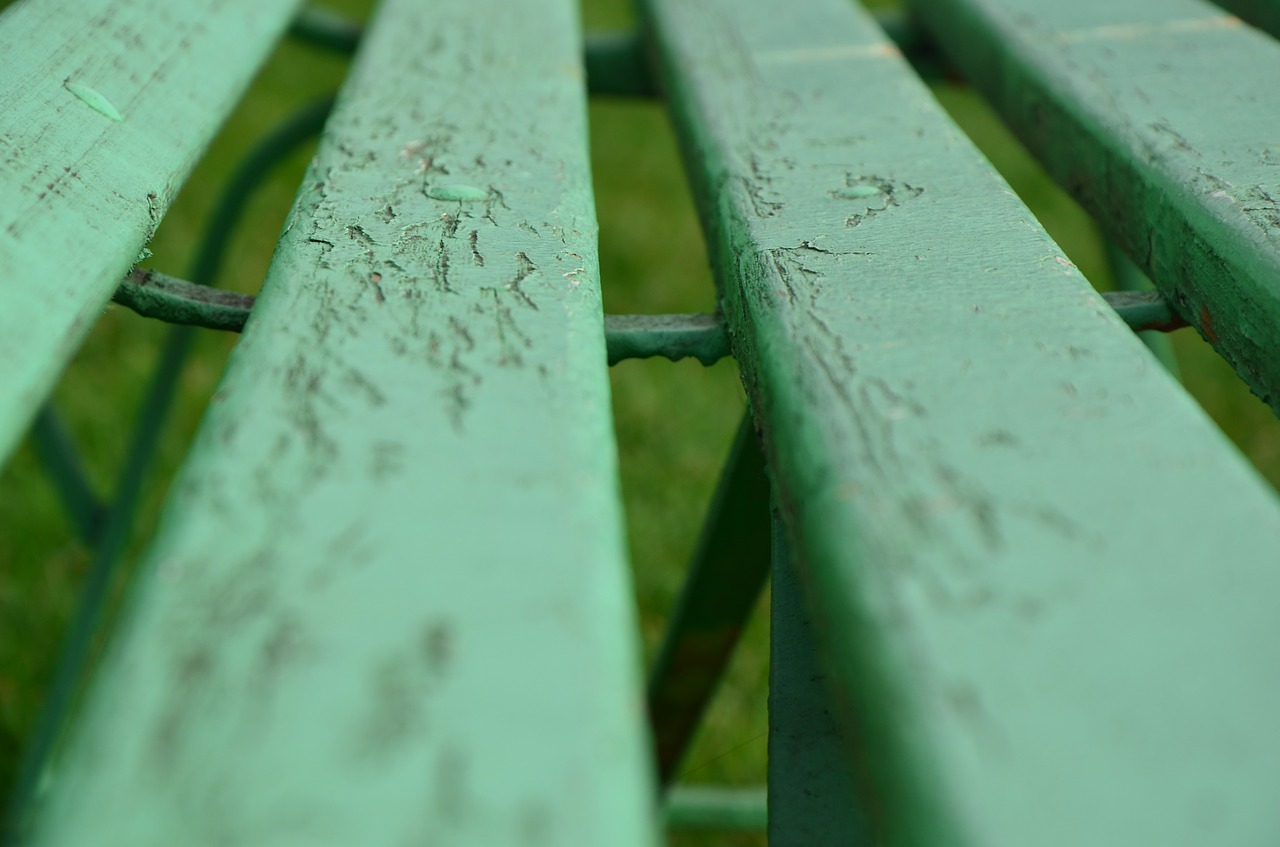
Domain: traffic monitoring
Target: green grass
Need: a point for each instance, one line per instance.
(674, 422)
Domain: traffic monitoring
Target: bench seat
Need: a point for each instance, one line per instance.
(1022, 585)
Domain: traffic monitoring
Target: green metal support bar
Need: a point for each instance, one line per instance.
(155, 295)
(58, 454)
(176, 301)
(701, 336)
(673, 337)
(1128, 279)
(724, 809)
(729, 570)
(812, 795)
(1145, 311)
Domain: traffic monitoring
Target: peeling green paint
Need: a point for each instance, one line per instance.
(459, 192)
(80, 195)
(1040, 578)
(389, 601)
(95, 100)
(1143, 112)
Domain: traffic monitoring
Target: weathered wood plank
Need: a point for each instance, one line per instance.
(107, 105)
(389, 602)
(963, 436)
(1148, 113)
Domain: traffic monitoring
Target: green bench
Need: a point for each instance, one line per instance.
(1023, 589)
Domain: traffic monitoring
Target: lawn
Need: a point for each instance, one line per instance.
(674, 421)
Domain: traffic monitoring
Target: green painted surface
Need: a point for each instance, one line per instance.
(108, 104)
(111, 535)
(1179, 160)
(813, 801)
(1043, 580)
(389, 602)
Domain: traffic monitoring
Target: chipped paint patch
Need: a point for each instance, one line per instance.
(875, 194)
(459, 192)
(853, 192)
(95, 100)
(1206, 325)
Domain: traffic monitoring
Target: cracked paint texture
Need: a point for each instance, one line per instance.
(108, 105)
(1041, 621)
(389, 601)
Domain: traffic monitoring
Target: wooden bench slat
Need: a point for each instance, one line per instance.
(1042, 578)
(107, 106)
(1149, 114)
(389, 603)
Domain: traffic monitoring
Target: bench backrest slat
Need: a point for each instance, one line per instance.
(107, 106)
(392, 577)
(959, 430)
(1150, 112)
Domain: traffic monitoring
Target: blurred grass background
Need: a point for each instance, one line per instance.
(674, 422)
